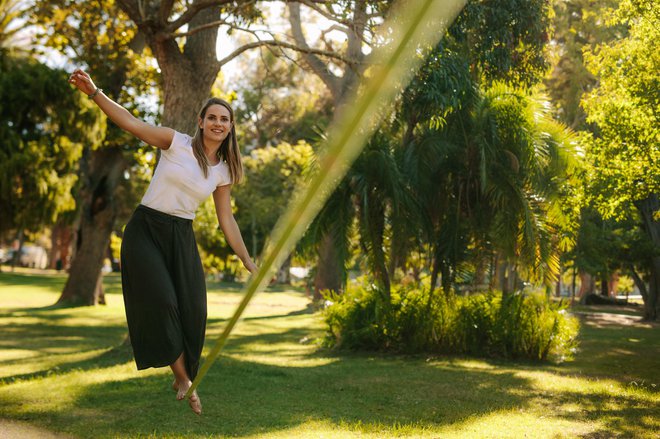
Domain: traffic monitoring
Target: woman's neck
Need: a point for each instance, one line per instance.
(211, 151)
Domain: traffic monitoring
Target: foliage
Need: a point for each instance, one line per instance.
(624, 155)
(373, 192)
(99, 36)
(605, 246)
(440, 123)
(490, 179)
(12, 13)
(271, 176)
(43, 127)
(277, 103)
(503, 40)
(516, 326)
(576, 25)
(215, 253)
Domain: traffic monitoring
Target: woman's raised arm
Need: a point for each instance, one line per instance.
(160, 137)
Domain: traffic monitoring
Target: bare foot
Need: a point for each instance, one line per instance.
(175, 386)
(194, 402)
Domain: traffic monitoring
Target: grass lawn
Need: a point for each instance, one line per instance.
(66, 370)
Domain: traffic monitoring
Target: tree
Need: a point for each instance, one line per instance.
(358, 21)
(577, 24)
(272, 174)
(370, 198)
(490, 179)
(624, 154)
(605, 247)
(43, 128)
(188, 69)
(277, 102)
(11, 14)
(497, 41)
(100, 36)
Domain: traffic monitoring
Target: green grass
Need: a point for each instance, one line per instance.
(66, 370)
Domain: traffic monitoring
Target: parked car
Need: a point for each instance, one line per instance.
(32, 256)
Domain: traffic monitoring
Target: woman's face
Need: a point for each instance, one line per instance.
(216, 124)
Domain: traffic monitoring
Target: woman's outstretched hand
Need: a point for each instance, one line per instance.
(82, 82)
(250, 266)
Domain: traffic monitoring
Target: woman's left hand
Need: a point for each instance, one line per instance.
(250, 266)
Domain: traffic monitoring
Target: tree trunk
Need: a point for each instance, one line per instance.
(648, 209)
(83, 286)
(604, 284)
(18, 248)
(587, 284)
(435, 271)
(640, 284)
(53, 256)
(283, 274)
(613, 284)
(377, 231)
(328, 273)
(60, 243)
(510, 278)
(187, 75)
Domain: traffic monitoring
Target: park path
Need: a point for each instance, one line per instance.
(21, 430)
(601, 317)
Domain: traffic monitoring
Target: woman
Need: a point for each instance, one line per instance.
(162, 277)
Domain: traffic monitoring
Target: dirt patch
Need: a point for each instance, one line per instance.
(21, 430)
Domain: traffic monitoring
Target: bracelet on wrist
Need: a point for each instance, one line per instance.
(97, 91)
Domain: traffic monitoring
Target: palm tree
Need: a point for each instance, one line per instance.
(489, 179)
(371, 197)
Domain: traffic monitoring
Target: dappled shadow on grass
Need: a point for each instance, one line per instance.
(48, 282)
(266, 382)
(119, 354)
(247, 398)
(618, 352)
(213, 321)
(52, 337)
(624, 416)
(358, 393)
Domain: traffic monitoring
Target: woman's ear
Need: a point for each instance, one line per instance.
(199, 123)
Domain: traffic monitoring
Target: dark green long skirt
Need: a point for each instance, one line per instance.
(164, 290)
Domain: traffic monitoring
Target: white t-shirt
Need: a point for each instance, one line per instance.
(178, 186)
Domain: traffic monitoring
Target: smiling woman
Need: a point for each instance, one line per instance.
(163, 281)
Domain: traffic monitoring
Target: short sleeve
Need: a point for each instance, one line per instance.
(179, 141)
(224, 177)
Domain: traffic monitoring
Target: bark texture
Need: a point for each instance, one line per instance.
(97, 218)
(187, 72)
(648, 209)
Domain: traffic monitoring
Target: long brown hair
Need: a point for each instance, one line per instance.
(228, 151)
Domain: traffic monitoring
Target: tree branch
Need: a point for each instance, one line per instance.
(203, 4)
(326, 14)
(281, 44)
(195, 30)
(641, 285)
(321, 69)
(165, 10)
(192, 11)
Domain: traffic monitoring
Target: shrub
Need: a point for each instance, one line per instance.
(513, 326)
